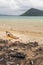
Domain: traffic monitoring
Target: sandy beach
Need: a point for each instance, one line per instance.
(26, 29)
(21, 41)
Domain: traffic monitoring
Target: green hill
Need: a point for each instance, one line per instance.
(33, 12)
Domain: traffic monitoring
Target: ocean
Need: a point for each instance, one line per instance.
(20, 17)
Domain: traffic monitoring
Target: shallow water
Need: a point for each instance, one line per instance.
(34, 24)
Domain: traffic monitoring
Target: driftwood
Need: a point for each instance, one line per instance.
(11, 35)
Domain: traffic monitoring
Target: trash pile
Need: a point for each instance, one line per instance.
(19, 53)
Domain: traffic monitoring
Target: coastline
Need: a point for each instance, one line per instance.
(25, 29)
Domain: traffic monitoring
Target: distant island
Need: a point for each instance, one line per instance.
(33, 12)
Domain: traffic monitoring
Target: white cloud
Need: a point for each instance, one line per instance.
(15, 7)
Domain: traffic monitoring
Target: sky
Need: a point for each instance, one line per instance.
(17, 7)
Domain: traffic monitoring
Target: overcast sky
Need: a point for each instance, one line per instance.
(17, 7)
